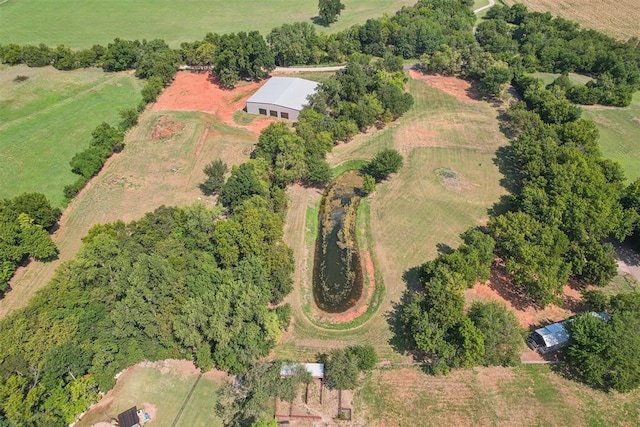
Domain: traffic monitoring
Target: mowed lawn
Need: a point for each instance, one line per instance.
(618, 18)
(151, 171)
(620, 134)
(84, 23)
(410, 214)
(162, 389)
(529, 395)
(48, 118)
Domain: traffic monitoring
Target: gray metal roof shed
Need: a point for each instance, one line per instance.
(288, 92)
(315, 369)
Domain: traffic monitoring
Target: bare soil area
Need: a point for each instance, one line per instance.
(454, 86)
(199, 92)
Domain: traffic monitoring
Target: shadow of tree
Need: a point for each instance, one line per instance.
(317, 20)
(502, 284)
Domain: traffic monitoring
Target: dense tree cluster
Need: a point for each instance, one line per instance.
(384, 163)
(24, 224)
(434, 319)
(567, 199)
(535, 41)
(176, 283)
(605, 353)
(342, 366)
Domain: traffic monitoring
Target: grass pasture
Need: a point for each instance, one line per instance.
(162, 389)
(150, 172)
(529, 395)
(620, 134)
(48, 118)
(411, 213)
(620, 19)
(82, 24)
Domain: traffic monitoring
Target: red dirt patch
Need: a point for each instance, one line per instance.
(461, 89)
(165, 128)
(500, 288)
(197, 92)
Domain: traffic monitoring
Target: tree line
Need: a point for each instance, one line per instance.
(534, 41)
(25, 223)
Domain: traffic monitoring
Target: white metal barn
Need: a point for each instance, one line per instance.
(282, 97)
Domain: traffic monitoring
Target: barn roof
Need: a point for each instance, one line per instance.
(315, 369)
(128, 418)
(288, 92)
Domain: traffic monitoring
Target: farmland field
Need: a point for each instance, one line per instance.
(82, 24)
(618, 18)
(529, 395)
(49, 117)
(446, 186)
(161, 388)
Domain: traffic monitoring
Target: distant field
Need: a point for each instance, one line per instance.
(161, 388)
(618, 18)
(577, 79)
(411, 213)
(48, 118)
(84, 23)
(530, 395)
(620, 134)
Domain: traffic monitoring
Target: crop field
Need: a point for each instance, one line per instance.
(529, 395)
(48, 118)
(161, 164)
(82, 24)
(618, 18)
(161, 389)
(620, 134)
(448, 182)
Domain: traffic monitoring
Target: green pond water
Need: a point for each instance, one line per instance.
(337, 272)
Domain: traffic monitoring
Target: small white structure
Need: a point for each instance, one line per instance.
(555, 336)
(315, 369)
(282, 97)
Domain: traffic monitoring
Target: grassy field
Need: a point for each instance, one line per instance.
(620, 134)
(162, 391)
(82, 24)
(530, 395)
(411, 213)
(577, 79)
(48, 118)
(149, 173)
(618, 18)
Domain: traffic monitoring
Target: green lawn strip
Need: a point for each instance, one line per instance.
(200, 410)
(38, 143)
(547, 78)
(82, 24)
(620, 135)
(147, 385)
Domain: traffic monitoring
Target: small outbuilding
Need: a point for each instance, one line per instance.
(315, 369)
(554, 336)
(129, 418)
(282, 97)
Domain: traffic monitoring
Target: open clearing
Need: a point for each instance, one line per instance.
(82, 24)
(161, 164)
(620, 134)
(412, 212)
(161, 389)
(48, 118)
(618, 18)
(530, 395)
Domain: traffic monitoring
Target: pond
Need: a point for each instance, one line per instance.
(337, 272)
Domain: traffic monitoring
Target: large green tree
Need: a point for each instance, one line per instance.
(329, 10)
